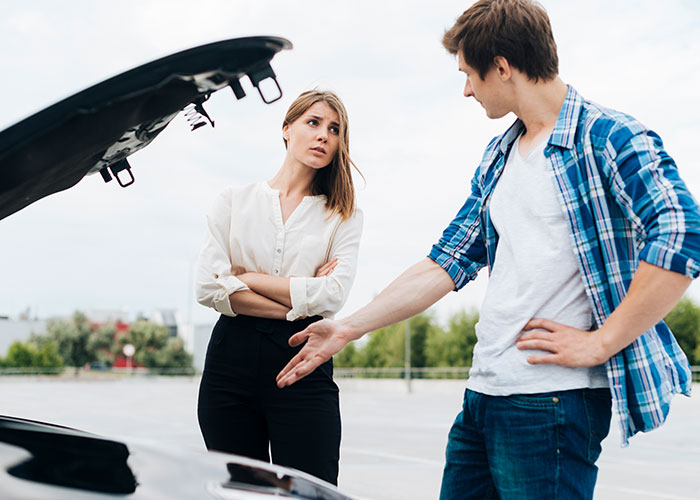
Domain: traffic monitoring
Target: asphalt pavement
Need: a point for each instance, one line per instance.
(393, 440)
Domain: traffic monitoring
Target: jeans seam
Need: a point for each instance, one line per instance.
(559, 416)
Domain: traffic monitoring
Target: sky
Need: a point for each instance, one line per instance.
(413, 135)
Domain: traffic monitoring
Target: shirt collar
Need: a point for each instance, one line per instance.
(564, 131)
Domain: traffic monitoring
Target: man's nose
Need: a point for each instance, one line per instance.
(468, 92)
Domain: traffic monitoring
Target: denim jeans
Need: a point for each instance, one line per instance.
(526, 446)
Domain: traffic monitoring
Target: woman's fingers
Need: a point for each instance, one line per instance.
(327, 268)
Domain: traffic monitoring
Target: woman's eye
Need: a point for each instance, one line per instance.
(312, 121)
(335, 130)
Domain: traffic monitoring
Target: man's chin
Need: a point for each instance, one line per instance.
(494, 115)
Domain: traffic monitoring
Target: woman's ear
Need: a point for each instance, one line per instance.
(285, 132)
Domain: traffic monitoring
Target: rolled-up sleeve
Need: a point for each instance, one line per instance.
(325, 296)
(647, 185)
(214, 282)
(461, 250)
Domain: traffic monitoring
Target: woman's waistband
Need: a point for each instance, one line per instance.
(269, 325)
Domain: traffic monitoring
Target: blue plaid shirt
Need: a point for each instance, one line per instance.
(624, 202)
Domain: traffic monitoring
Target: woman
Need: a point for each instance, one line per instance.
(265, 268)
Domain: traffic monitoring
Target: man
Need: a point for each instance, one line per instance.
(590, 238)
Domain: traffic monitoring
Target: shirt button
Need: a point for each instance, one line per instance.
(279, 250)
(277, 271)
(555, 399)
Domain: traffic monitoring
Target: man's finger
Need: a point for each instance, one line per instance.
(298, 372)
(542, 345)
(547, 359)
(298, 358)
(299, 338)
(537, 335)
(542, 324)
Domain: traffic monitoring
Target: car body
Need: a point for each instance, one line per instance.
(47, 461)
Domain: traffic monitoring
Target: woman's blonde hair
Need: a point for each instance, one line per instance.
(334, 180)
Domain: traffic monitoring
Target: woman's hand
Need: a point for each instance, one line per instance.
(327, 268)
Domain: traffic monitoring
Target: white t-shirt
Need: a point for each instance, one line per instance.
(535, 275)
(246, 233)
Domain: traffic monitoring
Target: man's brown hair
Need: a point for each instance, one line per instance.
(518, 30)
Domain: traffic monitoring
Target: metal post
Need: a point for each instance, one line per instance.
(407, 356)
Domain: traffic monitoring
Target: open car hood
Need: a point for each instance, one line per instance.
(97, 129)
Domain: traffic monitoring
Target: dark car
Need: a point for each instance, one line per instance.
(96, 130)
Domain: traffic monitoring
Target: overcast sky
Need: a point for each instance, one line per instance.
(415, 137)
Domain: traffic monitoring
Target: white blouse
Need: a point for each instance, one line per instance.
(246, 233)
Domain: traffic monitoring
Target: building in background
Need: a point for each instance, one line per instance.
(21, 328)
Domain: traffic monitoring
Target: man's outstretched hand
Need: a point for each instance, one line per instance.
(323, 339)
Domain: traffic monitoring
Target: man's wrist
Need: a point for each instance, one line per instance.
(349, 330)
(606, 347)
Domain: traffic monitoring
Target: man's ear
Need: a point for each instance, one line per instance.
(503, 69)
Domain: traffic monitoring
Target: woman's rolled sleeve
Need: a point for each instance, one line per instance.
(214, 282)
(325, 296)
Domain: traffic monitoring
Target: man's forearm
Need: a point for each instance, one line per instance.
(251, 303)
(416, 289)
(653, 292)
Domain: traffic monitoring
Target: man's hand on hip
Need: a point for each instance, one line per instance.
(568, 346)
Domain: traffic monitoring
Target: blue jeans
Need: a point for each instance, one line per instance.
(526, 446)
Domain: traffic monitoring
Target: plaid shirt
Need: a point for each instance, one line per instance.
(624, 202)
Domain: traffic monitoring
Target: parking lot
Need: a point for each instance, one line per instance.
(393, 441)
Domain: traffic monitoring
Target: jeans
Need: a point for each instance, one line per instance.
(526, 446)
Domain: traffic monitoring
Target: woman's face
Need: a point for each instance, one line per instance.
(312, 139)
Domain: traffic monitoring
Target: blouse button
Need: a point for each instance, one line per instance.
(279, 250)
(277, 271)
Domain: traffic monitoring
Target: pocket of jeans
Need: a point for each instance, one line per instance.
(534, 401)
(598, 405)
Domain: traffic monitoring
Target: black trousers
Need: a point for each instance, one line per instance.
(242, 411)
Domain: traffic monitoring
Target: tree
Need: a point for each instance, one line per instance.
(147, 338)
(684, 322)
(153, 347)
(386, 346)
(29, 355)
(49, 357)
(21, 355)
(71, 339)
(174, 355)
(101, 344)
(349, 357)
(455, 346)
